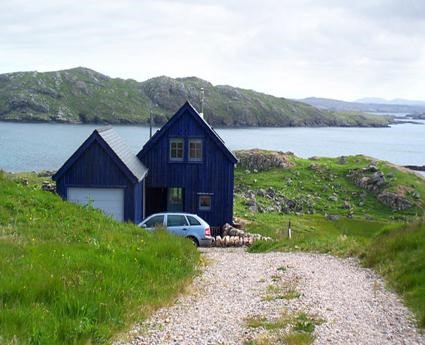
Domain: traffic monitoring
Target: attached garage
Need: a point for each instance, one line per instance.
(104, 173)
(109, 200)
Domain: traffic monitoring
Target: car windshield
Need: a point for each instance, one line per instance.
(155, 221)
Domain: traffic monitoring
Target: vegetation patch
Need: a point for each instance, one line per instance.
(399, 256)
(70, 275)
(294, 329)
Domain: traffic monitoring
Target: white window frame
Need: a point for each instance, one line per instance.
(196, 141)
(176, 141)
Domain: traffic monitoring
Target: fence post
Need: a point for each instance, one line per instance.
(289, 230)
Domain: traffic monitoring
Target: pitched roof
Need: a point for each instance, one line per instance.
(116, 147)
(187, 107)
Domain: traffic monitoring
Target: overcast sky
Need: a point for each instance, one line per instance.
(290, 48)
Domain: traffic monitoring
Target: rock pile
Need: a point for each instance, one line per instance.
(261, 160)
(369, 178)
(395, 201)
(234, 237)
(373, 180)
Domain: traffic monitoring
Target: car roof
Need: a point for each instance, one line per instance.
(173, 213)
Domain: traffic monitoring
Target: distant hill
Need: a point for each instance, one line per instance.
(81, 95)
(398, 101)
(363, 106)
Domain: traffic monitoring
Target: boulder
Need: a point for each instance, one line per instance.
(333, 198)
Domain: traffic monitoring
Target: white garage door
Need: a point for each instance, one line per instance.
(109, 200)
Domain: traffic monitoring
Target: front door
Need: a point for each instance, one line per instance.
(156, 200)
(175, 199)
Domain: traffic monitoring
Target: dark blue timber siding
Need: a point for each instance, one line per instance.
(214, 175)
(95, 168)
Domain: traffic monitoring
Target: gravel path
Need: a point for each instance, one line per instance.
(352, 301)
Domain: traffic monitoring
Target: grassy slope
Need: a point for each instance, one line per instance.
(83, 95)
(69, 275)
(400, 257)
(389, 241)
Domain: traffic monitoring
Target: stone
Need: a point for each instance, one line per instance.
(378, 178)
(416, 195)
(333, 198)
(346, 205)
(333, 217)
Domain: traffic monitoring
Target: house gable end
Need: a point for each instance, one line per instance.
(187, 109)
(94, 138)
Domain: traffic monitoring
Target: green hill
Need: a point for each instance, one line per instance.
(81, 95)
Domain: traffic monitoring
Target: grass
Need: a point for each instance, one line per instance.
(285, 290)
(399, 256)
(70, 275)
(293, 329)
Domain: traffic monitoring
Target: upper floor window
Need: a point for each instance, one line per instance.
(195, 150)
(176, 149)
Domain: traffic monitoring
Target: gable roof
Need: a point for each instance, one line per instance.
(187, 107)
(118, 150)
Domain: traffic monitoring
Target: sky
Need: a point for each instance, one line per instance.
(288, 48)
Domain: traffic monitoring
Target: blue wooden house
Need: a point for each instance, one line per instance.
(190, 169)
(184, 167)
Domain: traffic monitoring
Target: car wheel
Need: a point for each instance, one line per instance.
(194, 241)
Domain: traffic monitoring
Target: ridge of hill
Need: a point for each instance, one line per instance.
(81, 95)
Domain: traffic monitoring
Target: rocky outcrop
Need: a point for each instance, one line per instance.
(396, 201)
(261, 160)
(369, 178)
(372, 179)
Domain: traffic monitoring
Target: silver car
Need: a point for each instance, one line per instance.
(187, 225)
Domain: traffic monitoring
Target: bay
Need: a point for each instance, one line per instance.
(44, 146)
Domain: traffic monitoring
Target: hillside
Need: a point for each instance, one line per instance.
(81, 95)
(361, 105)
(346, 206)
(70, 275)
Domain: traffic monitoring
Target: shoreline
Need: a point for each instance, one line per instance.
(146, 124)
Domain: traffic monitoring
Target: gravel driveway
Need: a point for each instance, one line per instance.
(234, 285)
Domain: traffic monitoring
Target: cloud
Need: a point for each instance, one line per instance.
(291, 48)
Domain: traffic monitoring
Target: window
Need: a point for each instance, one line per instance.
(193, 220)
(176, 149)
(176, 220)
(195, 150)
(154, 221)
(204, 202)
